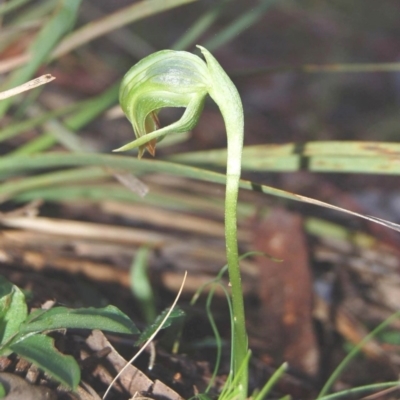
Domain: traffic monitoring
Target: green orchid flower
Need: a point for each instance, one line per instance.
(164, 79)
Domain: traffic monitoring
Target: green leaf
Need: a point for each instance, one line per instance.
(13, 309)
(40, 350)
(108, 319)
(175, 314)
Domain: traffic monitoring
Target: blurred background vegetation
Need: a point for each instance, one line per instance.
(309, 71)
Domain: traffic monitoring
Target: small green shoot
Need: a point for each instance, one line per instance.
(140, 284)
(23, 333)
(262, 394)
(217, 336)
(232, 389)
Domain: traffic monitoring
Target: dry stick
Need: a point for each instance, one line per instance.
(27, 86)
(149, 340)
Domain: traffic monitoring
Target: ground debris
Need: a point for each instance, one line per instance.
(285, 290)
(132, 380)
(18, 388)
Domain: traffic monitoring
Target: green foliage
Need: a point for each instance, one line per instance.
(2, 391)
(13, 309)
(23, 334)
(108, 318)
(39, 349)
(232, 389)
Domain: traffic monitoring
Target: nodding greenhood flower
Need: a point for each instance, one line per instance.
(180, 79)
(164, 79)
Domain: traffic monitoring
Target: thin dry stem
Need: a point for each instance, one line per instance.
(27, 86)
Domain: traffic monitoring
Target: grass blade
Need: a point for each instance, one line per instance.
(240, 25)
(114, 21)
(199, 27)
(340, 368)
(20, 127)
(329, 156)
(87, 111)
(52, 160)
(361, 389)
(271, 382)
(44, 43)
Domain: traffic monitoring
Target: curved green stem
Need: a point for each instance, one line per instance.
(225, 94)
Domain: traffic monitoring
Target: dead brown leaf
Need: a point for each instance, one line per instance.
(285, 289)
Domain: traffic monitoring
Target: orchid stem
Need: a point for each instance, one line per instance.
(225, 94)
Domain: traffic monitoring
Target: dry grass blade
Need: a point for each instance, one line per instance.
(85, 230)
(167, 219)
(27, 86)
(379, 221)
